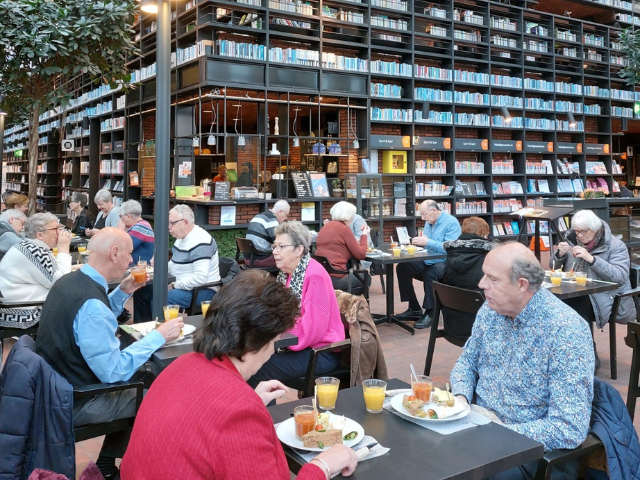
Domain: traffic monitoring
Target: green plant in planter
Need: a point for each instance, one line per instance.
(336, 184)
(630, 47)
(226, 240)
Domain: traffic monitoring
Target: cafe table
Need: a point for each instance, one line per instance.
(570, 289)
(420, 453)
(384, 256)
(162, 357)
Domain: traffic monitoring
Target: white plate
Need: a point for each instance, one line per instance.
(396, 403)
(286, 432)
(186, 330)
(86, 253)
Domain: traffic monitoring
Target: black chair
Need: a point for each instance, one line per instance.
(249, 252)
(635, 293)
(633, 341)
(448, 298)
(305, 385)
(361, 275)
(555, 457)
(225, 265)
(377, 269)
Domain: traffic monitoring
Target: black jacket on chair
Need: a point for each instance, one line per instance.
(36, 426)
(463, 269)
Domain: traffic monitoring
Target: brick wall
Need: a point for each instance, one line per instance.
(148, 164)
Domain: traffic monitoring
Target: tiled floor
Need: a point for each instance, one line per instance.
(401, 349)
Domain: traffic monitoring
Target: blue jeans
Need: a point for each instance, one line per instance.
(183, 297)
(565, 471)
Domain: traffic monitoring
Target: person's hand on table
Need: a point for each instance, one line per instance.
(270, 390)
(89, 232)
(581, 252)
(462, 399)
(129, 285)
(563, 248)
(339, 459)
(64, 241)
(171, 330)
(420, 241)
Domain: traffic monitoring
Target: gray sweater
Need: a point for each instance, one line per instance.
(8, 238)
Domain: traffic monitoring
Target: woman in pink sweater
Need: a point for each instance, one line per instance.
(319, 323)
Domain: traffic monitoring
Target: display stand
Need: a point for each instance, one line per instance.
(550, 214)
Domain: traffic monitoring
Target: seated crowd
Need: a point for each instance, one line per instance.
(528, 362)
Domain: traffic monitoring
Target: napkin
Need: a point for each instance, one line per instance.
(143, 328)
(444, 428)
(393, 393)
(444, 411)
(374, 452)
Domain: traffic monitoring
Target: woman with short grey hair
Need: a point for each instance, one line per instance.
(589, 246)
(319, 322)
(109, 215)
(30, 268)
(83, 217)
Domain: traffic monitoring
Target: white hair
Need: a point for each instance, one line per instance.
(12, 213)
(103, 195)
(281, 206)
(131, 207)
(586, 219)
(343, 211)
(185, 212)
(38, 223)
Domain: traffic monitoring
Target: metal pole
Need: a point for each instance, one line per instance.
(163, 146)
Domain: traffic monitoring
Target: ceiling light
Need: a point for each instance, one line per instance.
(149, 6)
(572, 119)
(506, 114)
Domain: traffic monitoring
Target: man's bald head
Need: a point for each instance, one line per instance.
(521, 262)
(110, 252)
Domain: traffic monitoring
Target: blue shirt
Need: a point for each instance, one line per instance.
(534, 372)
(445, 229)
(94, 329)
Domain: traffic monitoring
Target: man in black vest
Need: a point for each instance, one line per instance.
(77, 337)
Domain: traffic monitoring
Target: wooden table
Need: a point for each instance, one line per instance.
(388, 261)
(419, 453)
(571, 289)
(161, 358)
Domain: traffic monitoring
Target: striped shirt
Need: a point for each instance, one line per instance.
(143, 241)
(261, 231)
(194, 260)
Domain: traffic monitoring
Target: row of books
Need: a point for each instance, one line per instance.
(505, 228)
(430, 166)
(384, 90)
(538, 186)
(538, 168)
(343, 15)
(566, 185)
(109, 124)
(112, 167)
(595, 167)
(470, 188)
(433, 189)
(386, 22)
(392, 114)
(118, 186)
(391, 68)
(507, 188)
(471, 208)
(506, 205)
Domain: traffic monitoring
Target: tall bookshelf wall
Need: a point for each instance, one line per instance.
(435, 73)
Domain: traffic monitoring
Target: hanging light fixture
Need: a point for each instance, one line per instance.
(356, 143)
(506, 114)
(149, 6)
(241, 140)
(212, 138)
(296, 140)
(426, 108)
(572, 120)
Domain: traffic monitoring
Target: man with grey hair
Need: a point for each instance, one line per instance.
(530, 358)
(194, 258)
(77, 337)
(11, 225)
(261, 232)
(439, 227)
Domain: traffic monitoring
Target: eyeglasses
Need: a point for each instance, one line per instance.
(59, 229)
(582, 233)
(171, 224)
(125, 214)
(277, 248)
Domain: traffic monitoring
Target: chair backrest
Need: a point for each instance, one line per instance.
(460, 299)
(225, 266)
(633, 341)
(324, 261)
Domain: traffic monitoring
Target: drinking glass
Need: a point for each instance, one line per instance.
(411, 249)
(139, 274)
(397, 251)
(205, 307)
(374, 391)
(82, 248)
(54, 250)
(422, 387)
(171, 312)
(305, 417)
(581, 279)
(556, 278)
(327, 392)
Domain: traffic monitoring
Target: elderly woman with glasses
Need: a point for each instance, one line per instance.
(29, 269)
(84, 218)
(109, 215)
(319, 322)
(590, 247)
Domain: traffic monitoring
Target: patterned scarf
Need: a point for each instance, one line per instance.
(297, 279)
(40, 256)
(580, 264)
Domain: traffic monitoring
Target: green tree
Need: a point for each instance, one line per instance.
(43, 43)
(630, 43)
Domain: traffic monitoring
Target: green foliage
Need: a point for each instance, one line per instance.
(226, 240)
(630, 42)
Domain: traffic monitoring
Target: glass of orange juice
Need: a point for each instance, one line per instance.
(170, 311)
(422, 387)
(205, 307)
(556, 278)
(397, 251)
(305, 417)
(54, 250)
(581, 279)
(139, 274)
(374, 391)
(411, 249)
(327, 392)
(82, 248)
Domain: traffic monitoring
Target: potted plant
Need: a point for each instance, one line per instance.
(337, 191)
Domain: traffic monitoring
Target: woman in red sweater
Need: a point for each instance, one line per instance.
(201, 421)
(336, 242)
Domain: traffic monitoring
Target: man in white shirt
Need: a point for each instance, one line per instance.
(194, 260)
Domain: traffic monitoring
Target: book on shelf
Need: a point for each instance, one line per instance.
(543, 186)
(577, 185)
(500, 229)
(549, 166)
(495, 230)
(602, 184)
(515, 227)
(508, 228)
(531, 186)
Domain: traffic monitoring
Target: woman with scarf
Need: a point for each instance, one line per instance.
(590, 247)
(319, 322)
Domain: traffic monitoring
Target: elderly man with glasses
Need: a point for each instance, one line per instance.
(261, 232)
(194, 258)
(11, 225)
(30, 268)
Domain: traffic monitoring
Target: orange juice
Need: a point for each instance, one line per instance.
(140, 275)
(327, 395)
(205, 308)
(397, 251)
(373, 398)
(556, 281)
(305, 417)
(581, 279)
(171, 312)
(54, 250)
(422, 391)
(82, 248)
(411, 249)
